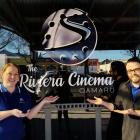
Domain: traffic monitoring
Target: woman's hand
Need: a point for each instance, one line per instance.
(97, 101)
(17, 113)
(50, 99)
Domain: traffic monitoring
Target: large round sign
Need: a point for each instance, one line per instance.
(70, 36)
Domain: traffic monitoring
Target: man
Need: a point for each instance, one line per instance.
(127, 101)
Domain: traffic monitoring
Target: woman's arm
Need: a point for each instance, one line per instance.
(14, 112)
(33, 112)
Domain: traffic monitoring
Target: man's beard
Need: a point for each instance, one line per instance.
(137, 80)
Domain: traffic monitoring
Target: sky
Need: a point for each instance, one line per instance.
(110, 54)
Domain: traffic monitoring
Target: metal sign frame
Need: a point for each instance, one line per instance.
(72, 106)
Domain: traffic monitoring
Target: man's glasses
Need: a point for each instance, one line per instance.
(134, 70)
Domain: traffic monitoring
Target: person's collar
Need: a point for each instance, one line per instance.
(3, 89)
(134, 86)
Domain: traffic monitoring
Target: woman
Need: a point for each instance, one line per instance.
(119, 74)
(15, 104)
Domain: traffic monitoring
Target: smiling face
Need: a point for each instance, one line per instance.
(10, 76)
(133, 71)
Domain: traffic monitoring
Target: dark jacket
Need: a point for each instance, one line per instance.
(116, 119)
(131, 124)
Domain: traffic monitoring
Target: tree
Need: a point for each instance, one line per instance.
(13, 43)
(132, 53)
(5, 38)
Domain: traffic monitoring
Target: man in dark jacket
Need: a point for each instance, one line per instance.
(127, 101)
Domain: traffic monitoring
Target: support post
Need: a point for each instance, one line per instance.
(48, 133)
(98, 123)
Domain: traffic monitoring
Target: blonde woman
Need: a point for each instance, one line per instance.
(15, 104)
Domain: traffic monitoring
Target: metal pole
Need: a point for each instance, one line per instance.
(48, 133)
(98, 123)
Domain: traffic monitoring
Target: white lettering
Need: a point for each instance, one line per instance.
(74, 80)
(88, 81)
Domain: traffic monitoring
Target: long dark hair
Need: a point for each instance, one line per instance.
(120, 68)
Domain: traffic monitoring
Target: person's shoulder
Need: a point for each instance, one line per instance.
(1, 86)
(124, 85)
(25, 93)
(23, 90)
